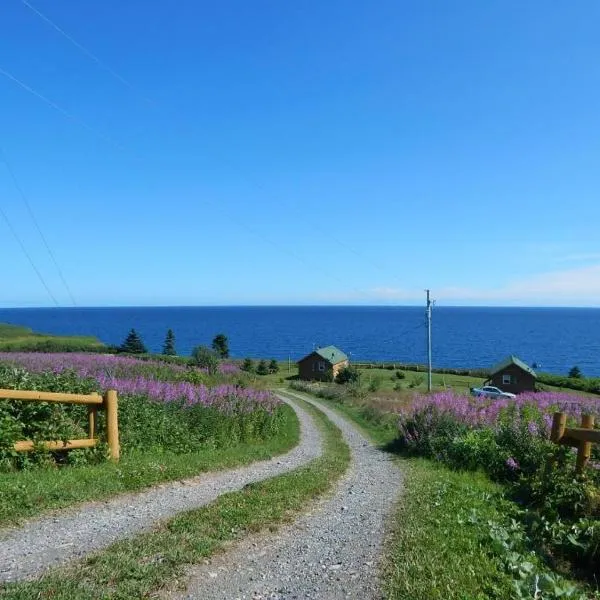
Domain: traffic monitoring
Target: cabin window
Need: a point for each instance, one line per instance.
(508, 379)
(321, 366)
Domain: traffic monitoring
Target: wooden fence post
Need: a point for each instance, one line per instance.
(559, 423)
(112, 423)
(585, 448)
(92, 419)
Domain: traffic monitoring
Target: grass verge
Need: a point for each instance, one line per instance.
(140, 566)
(27, 493)
(441, 547)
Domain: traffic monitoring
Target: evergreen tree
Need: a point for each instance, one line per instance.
(575, 373)
(262, 368)
(169, 345)
(220, 345)
(248, 365)
(205, 358)
(133, 344)
(273, 366)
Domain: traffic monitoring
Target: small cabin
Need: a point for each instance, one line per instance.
(323, 364)
(513, 375)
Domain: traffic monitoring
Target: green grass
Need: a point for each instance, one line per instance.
(16, 338)
(27, 493)
(140, 566)
(441, 548)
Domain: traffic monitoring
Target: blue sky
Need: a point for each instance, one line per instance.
(302, 152)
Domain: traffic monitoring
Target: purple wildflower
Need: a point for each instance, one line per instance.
(512, 464)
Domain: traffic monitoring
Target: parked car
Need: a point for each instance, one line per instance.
(489, 391)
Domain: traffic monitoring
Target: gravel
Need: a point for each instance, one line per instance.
(330, 553)
(50, 541)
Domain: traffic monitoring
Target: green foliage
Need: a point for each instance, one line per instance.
(40, 421)
(590, 385)
(273, 366)
(348, 375)
(416, 381)
(400, 375)
(375, 383)
(169, 345)
(575, 373)
(262, 368)
(539, 474)
(248, 365)
(206, 359)
(220, 345)
(133, 344)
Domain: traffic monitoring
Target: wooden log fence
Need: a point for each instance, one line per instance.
(581, 438)
(108, 402)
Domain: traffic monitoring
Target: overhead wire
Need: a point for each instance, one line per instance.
(60, 109)
(85, 50)
(36, 224)
(27, 255)
(129, 85)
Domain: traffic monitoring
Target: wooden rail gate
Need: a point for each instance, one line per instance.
(108, 402)
(581, 438)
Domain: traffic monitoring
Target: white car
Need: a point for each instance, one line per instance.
(489, 391)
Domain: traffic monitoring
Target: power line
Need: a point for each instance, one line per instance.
(121, 79)
(58, 108)
(83, 49)
(36, 223)
(27, 255)
(128, 84)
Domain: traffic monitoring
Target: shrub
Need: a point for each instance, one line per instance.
(348, 375)
(205, 358)
(248, 365)
(262, 368)
(575, 373)
(375, 383)
(400, 375)
(416, 381)
(273, 366)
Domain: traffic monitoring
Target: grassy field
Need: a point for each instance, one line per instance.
(27, 493)
(14, 338)
(141, 566)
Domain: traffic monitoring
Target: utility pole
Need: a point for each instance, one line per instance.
(428, 342)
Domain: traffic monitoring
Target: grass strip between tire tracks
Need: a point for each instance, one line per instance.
(28, 493)
(140, 566)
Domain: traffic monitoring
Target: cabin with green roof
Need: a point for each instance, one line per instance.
(323, 364)
(513, 375)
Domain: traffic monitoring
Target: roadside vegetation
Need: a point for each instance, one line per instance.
(174, 421)
(14, 338)
(492, 509)
(139, 567)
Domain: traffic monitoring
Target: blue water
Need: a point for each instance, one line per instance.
(555, 338)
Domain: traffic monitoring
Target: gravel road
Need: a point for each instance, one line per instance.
(53, 540)
(330, 553)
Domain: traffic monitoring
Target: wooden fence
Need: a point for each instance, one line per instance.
(581, 438)
(108, 402)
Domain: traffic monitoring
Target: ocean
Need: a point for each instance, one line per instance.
(554, 338)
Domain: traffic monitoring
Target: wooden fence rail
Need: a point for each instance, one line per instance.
(581, 438)
(108, 402)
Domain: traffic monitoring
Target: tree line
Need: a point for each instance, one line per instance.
(133, 344)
